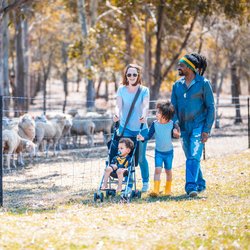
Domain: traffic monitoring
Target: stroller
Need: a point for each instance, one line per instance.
(129, 179)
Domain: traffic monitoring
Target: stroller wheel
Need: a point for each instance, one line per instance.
(95, 197)
(133, 194)
(101, 197)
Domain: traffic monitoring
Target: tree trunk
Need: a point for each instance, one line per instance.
(158, 65)
(218, 91)
(6, 87)
(147, 54)
(90, 97)
(25, 38)
(78, 80)
(106, 91)
(1, 56)
(46, 73)
(128, 39)
(65, 74)
(19, 80)
(99, 85)
(235, 82)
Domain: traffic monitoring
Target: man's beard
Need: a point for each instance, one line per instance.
(180, 72)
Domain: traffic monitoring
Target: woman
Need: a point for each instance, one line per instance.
(132, 80)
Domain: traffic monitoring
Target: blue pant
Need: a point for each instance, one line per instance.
(143, 163)
(192, 146)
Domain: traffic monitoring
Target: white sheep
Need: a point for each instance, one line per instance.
(50, 131)
(26, 127)
(66, 129)
(103, 123)
(82, 126)
(13, 143)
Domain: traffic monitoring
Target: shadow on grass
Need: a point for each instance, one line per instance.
(89, 200)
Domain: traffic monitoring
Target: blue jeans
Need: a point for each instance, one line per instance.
(192, 146)
(143, 163)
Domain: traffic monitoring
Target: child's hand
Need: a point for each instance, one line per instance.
(140, 137)
(176, 133)
(116, 118)
(142, 119)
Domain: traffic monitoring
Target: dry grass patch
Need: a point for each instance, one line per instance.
(217, 219)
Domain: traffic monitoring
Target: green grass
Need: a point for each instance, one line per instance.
(217, 219)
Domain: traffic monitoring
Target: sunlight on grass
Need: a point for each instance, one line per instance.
(218, 218)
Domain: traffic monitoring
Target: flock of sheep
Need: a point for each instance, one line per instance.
(37, 134)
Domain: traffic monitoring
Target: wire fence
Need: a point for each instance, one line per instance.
(76, 166)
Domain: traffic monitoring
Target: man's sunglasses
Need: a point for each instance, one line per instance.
(134, 75)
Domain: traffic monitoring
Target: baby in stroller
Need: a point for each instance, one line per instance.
(118, 167)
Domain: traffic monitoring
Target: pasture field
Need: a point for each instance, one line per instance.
(218, 219)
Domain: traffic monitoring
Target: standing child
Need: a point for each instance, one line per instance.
(119, 163)
(163, 129)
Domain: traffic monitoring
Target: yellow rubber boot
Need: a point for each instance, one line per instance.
(168, 188)
(156, 190)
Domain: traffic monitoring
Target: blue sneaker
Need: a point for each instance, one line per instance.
(145, 187)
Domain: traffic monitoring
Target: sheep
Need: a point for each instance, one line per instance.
(66, 133)
(51, 130)
(8, 123)
(13, 143)
(103, 123)
(26, 127)
(82, 126)
(66, 129)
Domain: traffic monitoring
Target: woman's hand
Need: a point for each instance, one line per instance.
(140, 137)
(116, 118)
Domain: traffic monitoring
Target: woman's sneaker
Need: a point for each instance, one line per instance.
(193, 194)
(145, 187)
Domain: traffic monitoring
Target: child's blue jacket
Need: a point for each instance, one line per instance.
(193, 104)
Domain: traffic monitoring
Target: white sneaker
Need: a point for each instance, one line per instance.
(145, 187)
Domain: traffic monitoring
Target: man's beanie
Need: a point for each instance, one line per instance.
(190, 61)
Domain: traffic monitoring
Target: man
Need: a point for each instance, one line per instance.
(193, 100)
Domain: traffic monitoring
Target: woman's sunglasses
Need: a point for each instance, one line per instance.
(134, 75)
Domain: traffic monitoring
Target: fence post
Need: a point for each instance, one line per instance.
(1, 154)
(248, 122)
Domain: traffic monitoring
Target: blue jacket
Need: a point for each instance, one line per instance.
(193, 104)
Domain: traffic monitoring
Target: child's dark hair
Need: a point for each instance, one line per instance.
(166, 109)
(128, 143)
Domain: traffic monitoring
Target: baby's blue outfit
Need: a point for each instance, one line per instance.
(194, 111)
(163, 143)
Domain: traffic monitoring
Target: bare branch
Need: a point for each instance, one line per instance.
(12, 6)
(184, 43)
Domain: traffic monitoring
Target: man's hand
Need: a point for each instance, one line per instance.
(204, 137)
(176, 133)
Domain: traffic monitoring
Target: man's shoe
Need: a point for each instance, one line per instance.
(201, 190)
(145, 187)
(193, 194)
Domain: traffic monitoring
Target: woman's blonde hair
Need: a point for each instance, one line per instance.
(139, 71)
